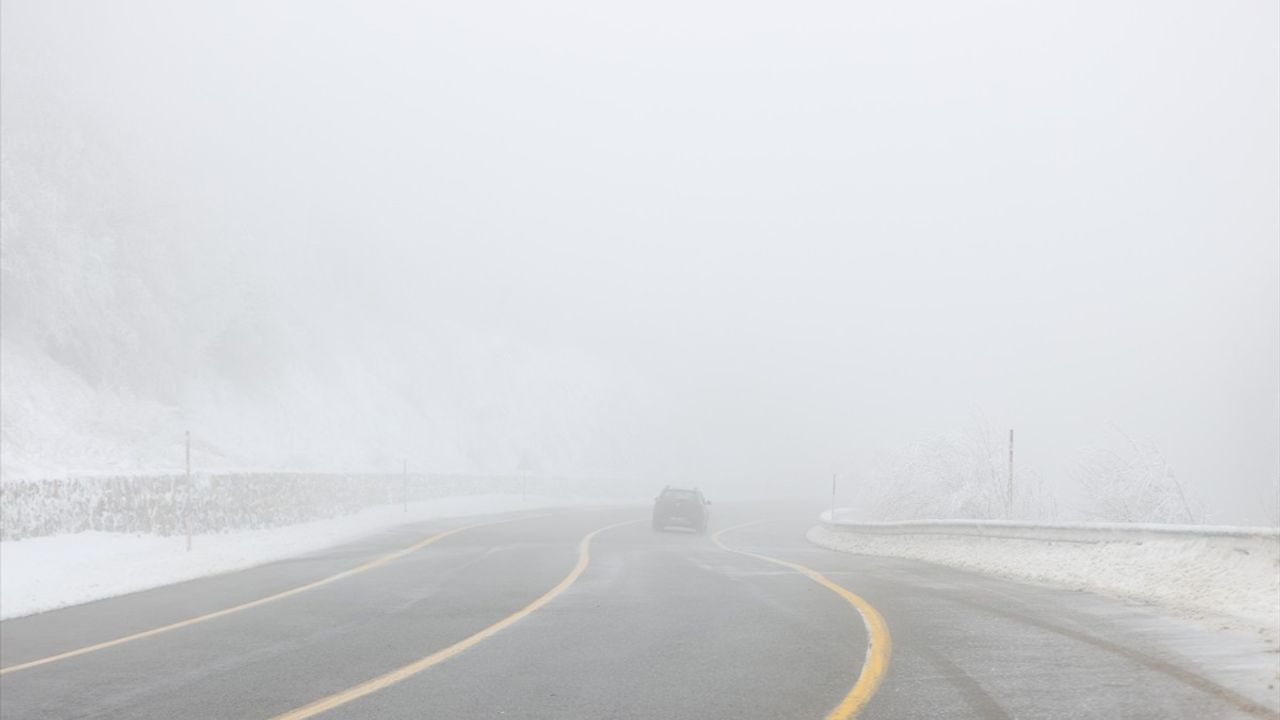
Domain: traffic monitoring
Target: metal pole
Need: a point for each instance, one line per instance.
(186, 520)
(405, 490)
(833, 497)
(1010, 512)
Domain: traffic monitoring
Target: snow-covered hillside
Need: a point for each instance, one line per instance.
(128, 320)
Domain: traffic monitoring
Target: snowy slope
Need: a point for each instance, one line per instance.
(1213, 571)
(41, 574)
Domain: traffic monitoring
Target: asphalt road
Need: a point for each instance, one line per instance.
(514, 619)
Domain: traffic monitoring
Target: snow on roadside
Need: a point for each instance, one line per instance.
(39, 574)
(1210, 573)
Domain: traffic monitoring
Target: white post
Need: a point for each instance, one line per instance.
(405, 490)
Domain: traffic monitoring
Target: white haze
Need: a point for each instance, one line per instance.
(743, 245)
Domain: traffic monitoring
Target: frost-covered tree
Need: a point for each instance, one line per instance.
(1132, 482)
(963, 475)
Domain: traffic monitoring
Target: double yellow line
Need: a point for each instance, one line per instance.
(879, 643)
(376, 562)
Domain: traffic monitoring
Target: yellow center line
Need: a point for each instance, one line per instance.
(376, 562)
(387, 679)
(879, 643)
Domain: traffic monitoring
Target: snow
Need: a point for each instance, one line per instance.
(174, 505)
(843, 516)
(1203, 572)
(39, 574)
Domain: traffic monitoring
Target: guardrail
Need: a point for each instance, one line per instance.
(169, 505)
(1087, 531)
(1231, 571)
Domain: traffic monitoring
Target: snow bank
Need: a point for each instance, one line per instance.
(1201, 570)
(44, 573)
(176, 505)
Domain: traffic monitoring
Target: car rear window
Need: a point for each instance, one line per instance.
(678, 495)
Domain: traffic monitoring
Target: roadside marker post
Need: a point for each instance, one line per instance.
(186, 518)
(833, 497)
(1010, 512)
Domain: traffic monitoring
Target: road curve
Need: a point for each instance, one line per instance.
(570, 615)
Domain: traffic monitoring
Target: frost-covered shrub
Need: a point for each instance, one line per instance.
(169, 504)
(962, 475)
(1133, 483)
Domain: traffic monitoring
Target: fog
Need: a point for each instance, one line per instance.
(743, 246)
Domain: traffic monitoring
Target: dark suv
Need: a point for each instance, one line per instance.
(686, 508)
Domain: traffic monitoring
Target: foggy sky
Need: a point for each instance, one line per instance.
(788, 238)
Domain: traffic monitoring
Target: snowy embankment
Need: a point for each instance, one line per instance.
(44, 573)
(1206, 571)
(177, 504)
